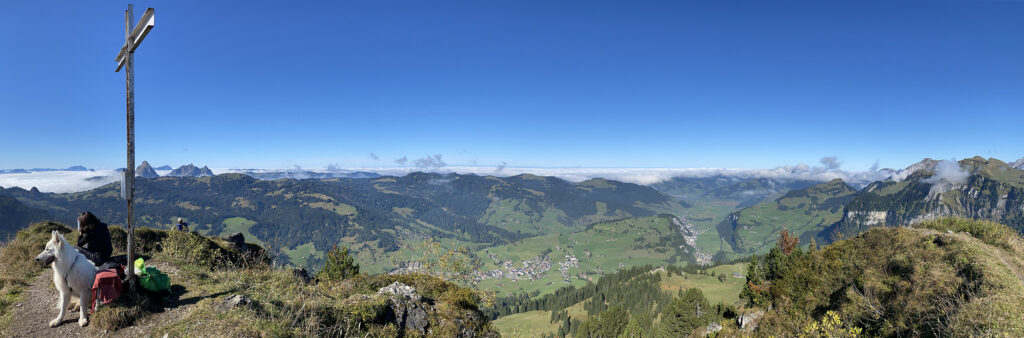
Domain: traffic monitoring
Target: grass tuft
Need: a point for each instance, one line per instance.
(123, 312)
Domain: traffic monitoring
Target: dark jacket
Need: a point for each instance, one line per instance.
(95, 237)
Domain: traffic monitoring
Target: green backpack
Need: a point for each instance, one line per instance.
(153, 279)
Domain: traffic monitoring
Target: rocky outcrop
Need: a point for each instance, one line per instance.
(190, 170)
(712, 327)
(748, 321)
(400, 290)
(1018, 164)
(407, 307)
(145, 170)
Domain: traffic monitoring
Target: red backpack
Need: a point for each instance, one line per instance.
(106, 287)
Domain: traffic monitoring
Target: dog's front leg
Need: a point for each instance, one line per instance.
(62, 306)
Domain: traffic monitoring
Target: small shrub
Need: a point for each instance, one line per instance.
(461, 297)
(338, 266)
(830, 326)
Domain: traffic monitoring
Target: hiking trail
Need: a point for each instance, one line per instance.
(33, 313)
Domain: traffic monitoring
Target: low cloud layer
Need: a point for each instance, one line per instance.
(60, 181)
(947, 174)
(74, 181)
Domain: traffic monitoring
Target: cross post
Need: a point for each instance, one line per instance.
(126, 58)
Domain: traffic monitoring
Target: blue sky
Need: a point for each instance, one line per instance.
(530, 83)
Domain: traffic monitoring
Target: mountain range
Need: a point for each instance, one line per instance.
(514, 219)
(21, 171)
(974, 188)
(190, 170)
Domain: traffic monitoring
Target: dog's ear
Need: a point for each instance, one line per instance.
(54, 235)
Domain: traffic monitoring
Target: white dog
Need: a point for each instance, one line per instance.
(73, 274)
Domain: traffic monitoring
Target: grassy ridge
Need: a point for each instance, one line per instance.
(210, 270)
(948, 277)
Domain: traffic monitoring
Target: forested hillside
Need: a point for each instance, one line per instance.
(14, 216)
(380, 213)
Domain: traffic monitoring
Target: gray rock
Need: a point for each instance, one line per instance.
(401, 290)
(233, 301)
(748, 321)
(407, 306)
(410, 314)
(712, 328)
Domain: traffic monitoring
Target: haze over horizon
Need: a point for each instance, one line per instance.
(520, 84)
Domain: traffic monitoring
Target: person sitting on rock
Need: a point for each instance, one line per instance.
(182, 226)
(94, 239)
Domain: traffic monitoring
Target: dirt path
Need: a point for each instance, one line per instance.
(32, 315)
(39, 306)
(1012, 266)
(1010, 263)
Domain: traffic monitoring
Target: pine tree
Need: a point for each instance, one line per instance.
(685, 314)
(338, 266)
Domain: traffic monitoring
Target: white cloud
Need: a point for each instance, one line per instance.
(430, 162)
(60, 181)
(947, 174)
(831, 162)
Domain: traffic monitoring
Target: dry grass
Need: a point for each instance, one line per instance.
(284, 306)
(123, 312)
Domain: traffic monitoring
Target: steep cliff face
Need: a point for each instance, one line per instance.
(972, 188)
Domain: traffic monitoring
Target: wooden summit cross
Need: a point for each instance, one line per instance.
(126, 58)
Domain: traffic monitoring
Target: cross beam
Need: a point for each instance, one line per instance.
(136, 36)
(126, 58)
